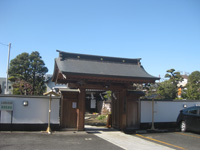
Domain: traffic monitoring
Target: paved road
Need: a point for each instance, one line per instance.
(94, 138)
(175, 140)
(56, 141)
(123, 140)
(98, 139)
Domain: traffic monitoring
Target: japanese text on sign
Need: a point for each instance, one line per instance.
(7, 106)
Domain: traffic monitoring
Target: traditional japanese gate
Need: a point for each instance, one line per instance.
(82, 72)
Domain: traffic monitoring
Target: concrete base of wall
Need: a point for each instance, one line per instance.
(159, 125)
(28, 127)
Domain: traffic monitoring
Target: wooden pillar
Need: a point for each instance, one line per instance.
(123, 109)
(81, 111)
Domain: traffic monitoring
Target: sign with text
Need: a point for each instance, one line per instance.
(8, 106)
(74, 105)
(93, 104)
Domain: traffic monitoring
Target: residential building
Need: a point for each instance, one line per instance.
(51, 85)
(182, 85)
(3, 86)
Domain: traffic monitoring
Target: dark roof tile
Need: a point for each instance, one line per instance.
(101, 66)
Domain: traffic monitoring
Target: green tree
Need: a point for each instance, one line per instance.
(174, 77)
(152, 90)
(37, 72)
(193, 86)
(167, 90)
(19, 67)
(27, 74)
(171, 85)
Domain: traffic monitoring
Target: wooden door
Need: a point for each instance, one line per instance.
(133, 114)
(69, 112)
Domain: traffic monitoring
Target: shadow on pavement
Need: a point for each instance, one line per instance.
(97, 130)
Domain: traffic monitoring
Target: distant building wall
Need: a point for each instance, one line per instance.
(50, 85)
(3, 86)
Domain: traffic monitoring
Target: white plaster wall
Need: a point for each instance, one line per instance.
(35, 113)
(164, 111)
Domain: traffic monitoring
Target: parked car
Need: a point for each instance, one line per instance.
(189, 119)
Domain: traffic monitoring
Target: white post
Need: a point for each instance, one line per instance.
(9, 46)
(152, 127)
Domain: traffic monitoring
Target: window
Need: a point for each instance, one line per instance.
(193, 111)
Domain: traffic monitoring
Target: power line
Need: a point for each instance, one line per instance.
(4, 44)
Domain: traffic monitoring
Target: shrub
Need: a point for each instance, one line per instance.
(101, 117)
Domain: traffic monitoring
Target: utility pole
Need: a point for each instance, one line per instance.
(9, 46)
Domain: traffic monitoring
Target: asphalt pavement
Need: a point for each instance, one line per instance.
(56, 141)
(176, 140)
(91, 139)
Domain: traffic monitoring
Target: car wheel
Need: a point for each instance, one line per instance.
(183, 126)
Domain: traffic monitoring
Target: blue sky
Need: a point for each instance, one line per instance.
(164, 33)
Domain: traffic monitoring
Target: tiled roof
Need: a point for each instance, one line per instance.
(101, 66)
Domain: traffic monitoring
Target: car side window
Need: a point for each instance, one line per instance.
(198, 112)
(193, 111)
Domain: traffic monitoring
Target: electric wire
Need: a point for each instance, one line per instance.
(4, 44)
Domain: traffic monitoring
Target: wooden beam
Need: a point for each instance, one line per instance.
(75, 77)
(102, 86)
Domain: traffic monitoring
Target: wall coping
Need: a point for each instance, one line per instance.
(170, 100)
(29, 96)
